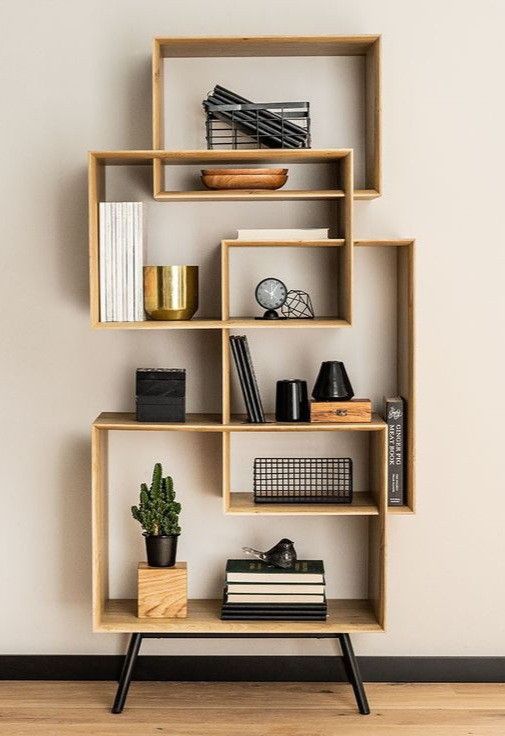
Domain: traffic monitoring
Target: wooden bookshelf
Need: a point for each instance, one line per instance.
(364, 615)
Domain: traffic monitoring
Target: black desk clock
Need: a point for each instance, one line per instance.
(271, 294)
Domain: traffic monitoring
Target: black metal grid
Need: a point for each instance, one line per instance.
(258, 125)
(303, 480)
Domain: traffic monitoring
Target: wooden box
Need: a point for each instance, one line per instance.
(162, 591)
(356, 410)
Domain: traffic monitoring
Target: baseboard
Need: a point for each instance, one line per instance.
(259, 669)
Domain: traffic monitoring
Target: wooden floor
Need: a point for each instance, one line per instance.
(250, 709)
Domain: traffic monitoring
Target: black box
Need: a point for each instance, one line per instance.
(161, 394)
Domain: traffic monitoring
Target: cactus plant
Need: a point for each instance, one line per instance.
(158, 511)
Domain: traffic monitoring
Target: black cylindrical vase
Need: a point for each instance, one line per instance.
(161, 550)
(291, 401)
(332, 383)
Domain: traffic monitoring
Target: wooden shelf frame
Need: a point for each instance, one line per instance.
(203, 616)
(342, 256)
(368, 46)
(342, 160)
(331, 157)
(369, 503)
(405, 351)
(344, 615)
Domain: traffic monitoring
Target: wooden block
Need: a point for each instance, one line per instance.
(356, 410)
(162, 591)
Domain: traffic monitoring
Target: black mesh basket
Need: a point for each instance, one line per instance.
(303, 480)
(233, 121)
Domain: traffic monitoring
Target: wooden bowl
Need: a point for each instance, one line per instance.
(244, 178)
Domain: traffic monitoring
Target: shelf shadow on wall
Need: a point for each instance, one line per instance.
(74, 571)
(133, 132)
(72, 245)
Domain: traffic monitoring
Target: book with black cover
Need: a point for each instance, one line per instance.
(288, 608)
(395, 416)
(248, 378)
(256, 571)
(272, 617)
(288, 612)
(242, 379)
(250, 370)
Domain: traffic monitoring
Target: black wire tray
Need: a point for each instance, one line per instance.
(232, 121)
(303, 480)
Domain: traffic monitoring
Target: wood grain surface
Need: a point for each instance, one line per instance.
(250, 709)
(162, 591)
(343, 412)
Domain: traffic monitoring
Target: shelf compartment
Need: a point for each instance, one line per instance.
(369, 498)
(345, 615)
(340, 161)
(366, 46)
(404, 265)
(338, 253)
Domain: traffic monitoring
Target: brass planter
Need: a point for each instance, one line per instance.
(170, 292)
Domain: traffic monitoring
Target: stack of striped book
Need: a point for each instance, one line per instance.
(256, 592)
(121, 261)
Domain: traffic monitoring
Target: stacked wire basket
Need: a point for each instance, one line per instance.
(232, 121)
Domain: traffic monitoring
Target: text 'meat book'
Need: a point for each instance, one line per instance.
(395, 414)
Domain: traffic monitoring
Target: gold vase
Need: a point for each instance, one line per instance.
(170, 292)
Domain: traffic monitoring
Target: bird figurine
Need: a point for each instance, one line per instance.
(282, 555)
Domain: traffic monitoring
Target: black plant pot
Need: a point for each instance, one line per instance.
(332, 383)
(161, 550)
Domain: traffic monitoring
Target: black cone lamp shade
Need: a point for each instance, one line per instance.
(332, 383)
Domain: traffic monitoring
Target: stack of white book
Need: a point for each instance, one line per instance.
(121, 262)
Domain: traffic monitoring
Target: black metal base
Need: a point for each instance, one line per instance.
(350, 663)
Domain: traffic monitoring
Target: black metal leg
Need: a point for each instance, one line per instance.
(353, 673)
(126, 673)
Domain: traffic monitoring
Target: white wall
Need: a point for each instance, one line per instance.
(75, 76)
